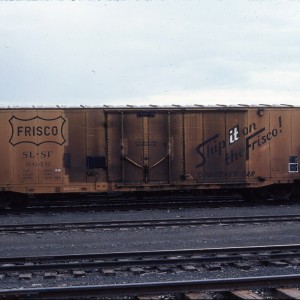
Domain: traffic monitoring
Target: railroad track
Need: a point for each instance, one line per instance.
(117, 224)
(102, 203)
(241, 257)
(236, 285)
(131, 203)
(44, 268)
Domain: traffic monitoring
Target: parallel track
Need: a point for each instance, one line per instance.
(102, 203)
(151, 258)
(115, 224)
(152, 287)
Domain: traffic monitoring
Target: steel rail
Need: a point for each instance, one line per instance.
(225, 284)
(146, 258)
(98, 202)
(147, 223)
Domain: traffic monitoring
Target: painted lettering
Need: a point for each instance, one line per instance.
(42, 154)
(199, 149)
(256, 140)
(232, 156)
(233, 134)
(37, 131)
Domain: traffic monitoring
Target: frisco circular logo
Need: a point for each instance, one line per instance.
(37, 130)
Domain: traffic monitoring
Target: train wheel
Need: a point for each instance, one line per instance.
(140, 195)
(295, 195)
(280, 192)
(254, 195)
(5, 200)
(19, 202)
(4, 203)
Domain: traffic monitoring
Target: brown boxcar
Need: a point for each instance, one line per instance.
(107, 149)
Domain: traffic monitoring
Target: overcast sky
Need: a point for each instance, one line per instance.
(149, 52)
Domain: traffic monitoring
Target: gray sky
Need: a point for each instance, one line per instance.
(149, 52)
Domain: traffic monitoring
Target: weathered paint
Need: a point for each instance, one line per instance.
(128, 149)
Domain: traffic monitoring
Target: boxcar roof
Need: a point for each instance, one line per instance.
(150, 106)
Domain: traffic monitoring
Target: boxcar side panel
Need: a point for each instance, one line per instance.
(34, 139)
(258, 150)
(76, 148)
(96, 146)
(116, 146)
(24, 147)
(234, 156)
(158, 148)
(176, 144)
(49, 151)
(294, 130)
(194, 160)
(132, 135)
(212, 147)
(280, 138)
(7, 154)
